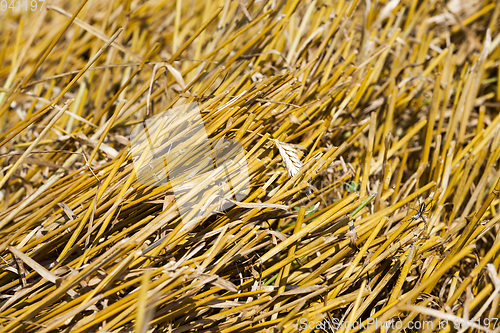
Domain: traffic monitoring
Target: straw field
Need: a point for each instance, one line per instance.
(249, 166)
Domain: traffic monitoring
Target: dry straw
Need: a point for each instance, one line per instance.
(378, 107)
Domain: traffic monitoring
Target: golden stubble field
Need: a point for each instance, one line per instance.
(332, 166)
